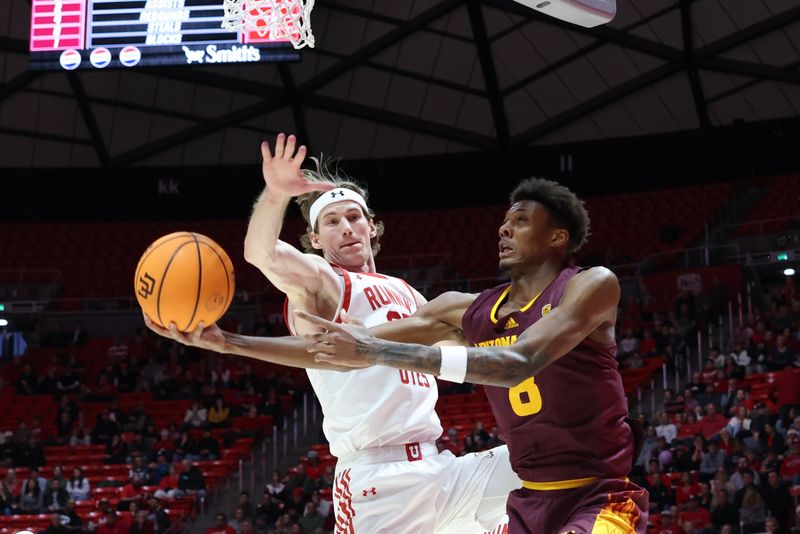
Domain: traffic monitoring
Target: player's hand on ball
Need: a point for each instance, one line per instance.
(348, 344)
(282, 171)
(204, 337)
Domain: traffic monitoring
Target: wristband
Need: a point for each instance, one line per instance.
(454, 364)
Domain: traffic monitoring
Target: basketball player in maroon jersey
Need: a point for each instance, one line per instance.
(544, 345)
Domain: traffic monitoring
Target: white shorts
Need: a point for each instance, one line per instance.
(415, 489)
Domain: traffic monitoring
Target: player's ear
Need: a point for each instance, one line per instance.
(559, 238)
(314, 238)
(372, 230)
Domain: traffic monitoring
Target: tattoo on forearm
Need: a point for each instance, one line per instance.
(491, 366)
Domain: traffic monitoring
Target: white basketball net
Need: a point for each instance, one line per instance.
(273, 19)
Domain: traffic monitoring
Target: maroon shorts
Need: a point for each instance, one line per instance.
(607, 506)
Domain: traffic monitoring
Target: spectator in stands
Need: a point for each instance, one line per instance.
(752, 512)
(660, 493)
(647, 347)
(299, 479)
(118, 351)
(28, 382)
(8, 449)
(668, 524)
(272, 407)
(314, 469)
(220, 526)
(208, 446)
(191, 481)
(698, 517)
(75, 523)
(56, 497)
(68, 383)
(138, 419)
(48, 383)
(712, 422)
(219, 415)
(634, 361)
(245, 505)
(276, 487)
(195, 417)
(138, 467)
(649, 446)
(686, 489)
(31, 454)
(105, 428)
(269, 510)
(722, 511)
(158, 516)
(790, 467)
(311, 520)
(712, 460)
(131, 492)
(11, 482)
(770, 441)
(31, 496)
(168, 485)
(142, 524)
(739, 422)
(776, 497)
(236, 522)
(186, 446)
(112, 525)
(139, 446)
(7, 499)
(55, 526)
(78, 486)
(741, 358)
(665, 428)
(628, 345)
(780, 356)
(117, 450)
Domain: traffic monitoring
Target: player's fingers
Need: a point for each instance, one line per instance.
(198, 331)
(300, 157)
(319, 321)
(279, 145)
(324, 357)
(265, 153)
(291, 141)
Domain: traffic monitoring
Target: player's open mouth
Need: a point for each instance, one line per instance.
(351, 246)
(505, 250)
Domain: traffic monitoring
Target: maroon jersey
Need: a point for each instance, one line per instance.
(567, 422)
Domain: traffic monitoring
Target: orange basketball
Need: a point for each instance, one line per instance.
(184, 278)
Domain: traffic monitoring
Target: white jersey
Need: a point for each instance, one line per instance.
(377, 406)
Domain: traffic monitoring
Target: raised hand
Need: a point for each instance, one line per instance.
(282, 171)
(348, 344)
(204, 337)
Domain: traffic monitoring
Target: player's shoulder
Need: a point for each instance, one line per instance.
(597, 276)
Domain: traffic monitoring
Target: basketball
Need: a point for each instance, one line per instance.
(185, 278)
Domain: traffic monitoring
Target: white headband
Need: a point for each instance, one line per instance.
(339, 194)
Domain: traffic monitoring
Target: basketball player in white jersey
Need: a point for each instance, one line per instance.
(380, 422)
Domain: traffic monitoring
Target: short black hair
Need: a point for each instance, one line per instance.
(566, 209)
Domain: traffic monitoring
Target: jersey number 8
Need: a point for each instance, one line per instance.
(525, 398)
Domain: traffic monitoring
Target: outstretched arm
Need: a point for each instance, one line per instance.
(291, 271)
(589, 304)
(291, 351)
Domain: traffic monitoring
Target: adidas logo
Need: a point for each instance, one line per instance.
(511, 323)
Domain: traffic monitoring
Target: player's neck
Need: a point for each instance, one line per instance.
(527, 283)
(367, 266)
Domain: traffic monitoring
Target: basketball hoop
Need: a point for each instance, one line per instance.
(272, 19)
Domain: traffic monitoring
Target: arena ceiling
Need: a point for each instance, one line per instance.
(393, 78)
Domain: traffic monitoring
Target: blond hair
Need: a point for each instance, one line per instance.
(328, 171)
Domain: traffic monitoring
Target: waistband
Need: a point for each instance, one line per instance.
(408, 452)
(563, 484)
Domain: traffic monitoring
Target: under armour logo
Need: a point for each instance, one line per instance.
(367, 492)
(334, 193)
(147, 284)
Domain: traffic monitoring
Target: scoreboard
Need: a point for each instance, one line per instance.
(98, 34)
